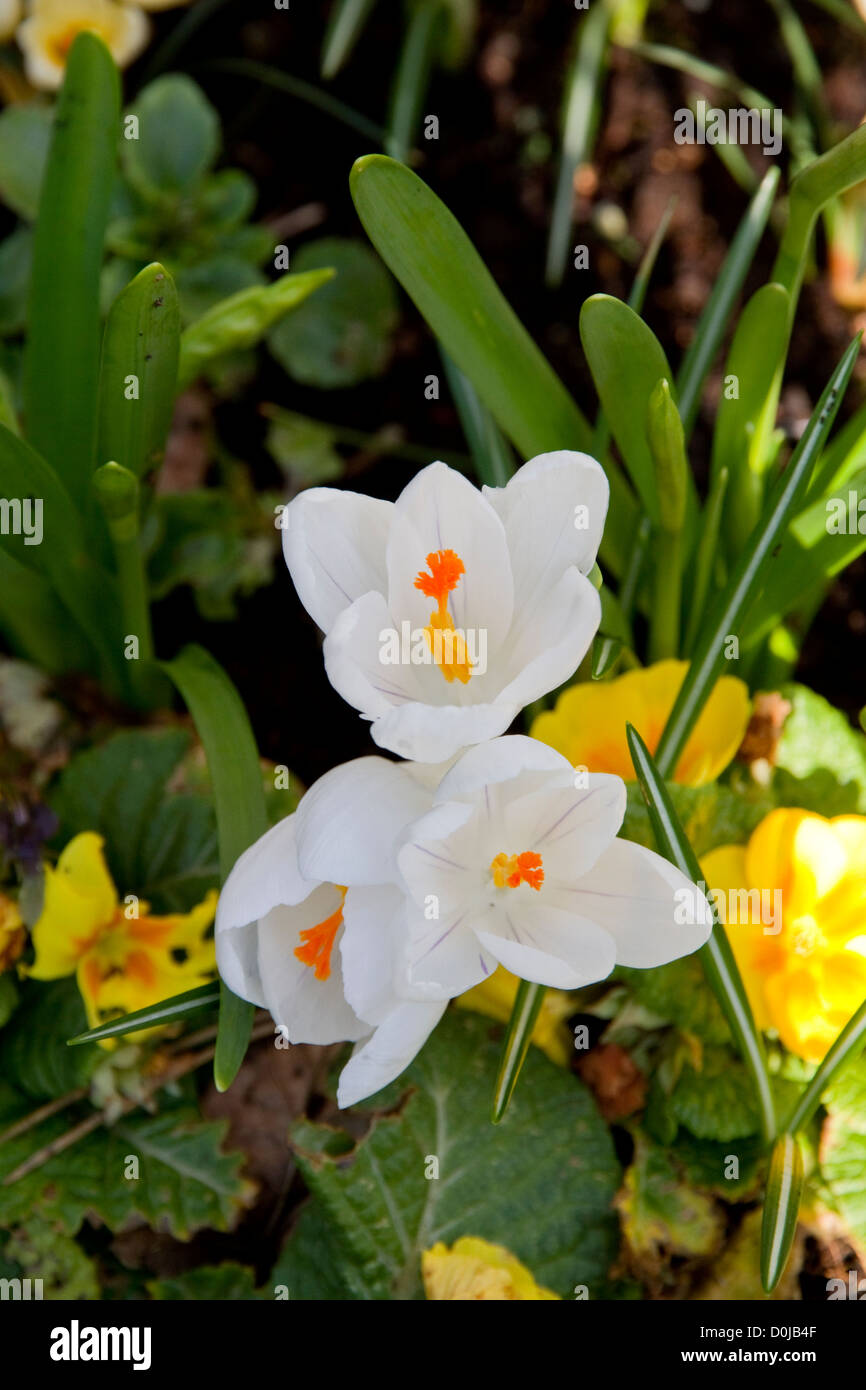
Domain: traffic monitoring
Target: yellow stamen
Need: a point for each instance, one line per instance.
(445, 642)
(510, 870)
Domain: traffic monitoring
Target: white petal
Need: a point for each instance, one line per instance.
(334, 544)
(237, 958)
(349, 821)
(308, 1010)
(638, 897)
(441, 510)
(440, 856)
(568, 826)
(446, 956)
(355, 652)
(499, 761)
(542, 943)
(266, 874)
(372, 948)
(549, 639)
(388, 1052)
(537, 508)
(434, 733)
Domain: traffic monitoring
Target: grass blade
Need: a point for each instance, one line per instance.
(142, 342)
(303, 91)
(706, 553)
(716, 956)
(583, 84)
(781, 1209)
(428, 251)
(345, 26)
(233, 761)
(751, 569)
(61, 367)
(717, 310)
(154, 1016)
(422, 42)
(524, 1014)
(494, 461)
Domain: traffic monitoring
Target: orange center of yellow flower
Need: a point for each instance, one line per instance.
(317, 942)
(447, 645)
(510, 870)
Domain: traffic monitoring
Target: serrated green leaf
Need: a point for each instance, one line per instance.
(716, 1102)
(59, 1262)
(541, 1183)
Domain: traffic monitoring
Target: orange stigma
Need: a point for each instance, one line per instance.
(445, 642)
(510, 870)
(317, 942)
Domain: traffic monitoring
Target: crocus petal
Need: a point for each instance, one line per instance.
(541, 943)
(349, 820)
(490, 763)
(334, 544)
(550, 639)
(370, 949)
(266, 874)
(355, 660)
(307, 1009)
(434, 733)
(569, 827)
(651, 910)
(546, 534)
(382, 1058)
(441, 510)
(445, 956)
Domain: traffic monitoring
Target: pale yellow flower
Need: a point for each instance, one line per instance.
(159, 4)
(473, 1270)
(52, 26)
(588, 723)
(10, 18)
(494, 998)
(807, 979)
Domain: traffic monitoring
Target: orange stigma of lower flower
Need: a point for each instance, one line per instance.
(510, 870)
(445, 642)
(317, 942)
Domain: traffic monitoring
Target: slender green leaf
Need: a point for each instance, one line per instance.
(834, 172)
(432, 257)
(267, 76)
(34, 622)
(751, 569)
(524, 1013)
(233, 761)
(242, 320)
(345, 26)
(717, 957)
(137, 381)
(705, 557)
(582, 95)
(781, 1209)
(717, 310)
(61, 368)
(412, 77)
(845, 1049)
(494, 461)
(156, 1016)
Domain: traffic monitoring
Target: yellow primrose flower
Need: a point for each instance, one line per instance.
(121, 963)
(13, 933)
(473, 1269)
(52, 26)
(799, 929)
(159, 4)
(588, 723)
(10, 18)
(494, 998)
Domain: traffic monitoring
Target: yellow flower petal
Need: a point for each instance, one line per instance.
(588, 723)
(52, 27)
(79, 900)
(476, 1270)
(495, 996)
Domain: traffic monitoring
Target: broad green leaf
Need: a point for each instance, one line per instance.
(717, 1101)
(33, 1051)
(61, 367)
(428, 251)
(238, 323)
(818, 743)
(746, 411)
(225, 1283)
(843, 1150)
(781, 1208)
(224, 729)
(343, 336)
(706, 1163)
(626, 361)
(66, 1272)
(541, 1183)
(677, 993)
(25, 137)
(751, 570)
(662, 1216)
(185, 1181)
(141, 341)
(716, 956)
(178, 138)
(34, 622)
(160, 844)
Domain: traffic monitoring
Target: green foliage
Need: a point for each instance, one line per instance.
(343, 337)
(45, 1252)
(716, 1101)
(225, 1283)
(843, 1149)
(662, 1216)
(25, 137)
(540, 1183)
(178, 139)
(33, 1051)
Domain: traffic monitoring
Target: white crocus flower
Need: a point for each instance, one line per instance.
(519, 858)
(324, 958)
(449, 610)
